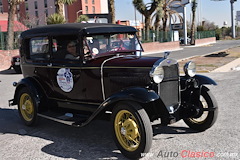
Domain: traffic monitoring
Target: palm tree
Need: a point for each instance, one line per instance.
(168, 12)
(56, 19)
(111, 9)
(194, 7)
(82, 18)
(11, 12)
(60, 5)
(146, 10)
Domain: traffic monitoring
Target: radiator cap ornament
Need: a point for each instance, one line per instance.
(166, 54)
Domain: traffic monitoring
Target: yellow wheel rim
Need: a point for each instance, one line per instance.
(127, 130)
(26, 107)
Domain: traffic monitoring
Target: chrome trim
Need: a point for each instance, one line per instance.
(85, 68)
(101, 72)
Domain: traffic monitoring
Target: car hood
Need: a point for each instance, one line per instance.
(132, 61)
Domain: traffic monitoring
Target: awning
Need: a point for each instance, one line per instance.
(16, 27)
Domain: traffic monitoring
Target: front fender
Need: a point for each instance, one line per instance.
(151, 101)
(196, 81)
(204, 80)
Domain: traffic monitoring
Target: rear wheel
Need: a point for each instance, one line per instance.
(27, 107)
(132, 130)
(208, 112)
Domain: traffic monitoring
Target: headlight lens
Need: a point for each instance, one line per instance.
(158, 74)
(190, 69)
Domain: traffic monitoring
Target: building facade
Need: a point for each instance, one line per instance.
(35, 12)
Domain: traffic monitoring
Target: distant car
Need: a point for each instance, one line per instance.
(108, 78)
(181, 39)
(15, 64)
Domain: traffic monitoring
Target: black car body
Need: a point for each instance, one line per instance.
(108, 77)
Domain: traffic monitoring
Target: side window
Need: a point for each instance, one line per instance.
(65, 48)
(39, 48)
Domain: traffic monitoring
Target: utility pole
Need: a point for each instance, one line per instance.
(232, 19)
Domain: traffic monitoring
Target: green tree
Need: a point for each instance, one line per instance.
(111, 8)
(59, 4)
(194, 7)
(11, 14)
(82, 18)
(146, 10)
(56, 19)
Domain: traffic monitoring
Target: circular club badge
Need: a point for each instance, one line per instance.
(65, 79)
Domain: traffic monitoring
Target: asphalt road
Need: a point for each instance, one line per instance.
(190, 51)
(51, 140)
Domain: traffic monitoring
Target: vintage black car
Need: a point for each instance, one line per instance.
(75, 73)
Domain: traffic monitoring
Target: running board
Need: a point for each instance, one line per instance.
(73, 122)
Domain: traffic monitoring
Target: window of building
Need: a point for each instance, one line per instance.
(46, 12)
(0, 2)
(26, 6)
(35, 5)
(86, 8)
(27, 15)
(45, 4)
(86, 1)
(93, 1)
(18, 8)
(93, 10)
(36, 14)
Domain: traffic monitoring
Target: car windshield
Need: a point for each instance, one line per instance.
(110, 44)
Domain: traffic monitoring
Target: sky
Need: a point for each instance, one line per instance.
(213, 11)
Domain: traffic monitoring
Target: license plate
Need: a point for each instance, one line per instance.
(17, 63)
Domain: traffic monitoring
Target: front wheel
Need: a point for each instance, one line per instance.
(132, 130)
(27, 107)
(208, 112)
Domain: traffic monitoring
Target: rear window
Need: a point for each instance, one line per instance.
(39, 48)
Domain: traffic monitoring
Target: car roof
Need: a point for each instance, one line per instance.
(77, 28)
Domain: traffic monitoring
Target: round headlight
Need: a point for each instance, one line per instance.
(190, 69)
(158, 74)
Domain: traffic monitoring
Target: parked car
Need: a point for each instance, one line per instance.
(102, 81)
(181, 39)
(15, 64)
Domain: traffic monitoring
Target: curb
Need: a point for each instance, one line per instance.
(231, 66)
(161, 51)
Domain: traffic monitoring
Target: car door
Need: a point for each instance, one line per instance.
(66, 74)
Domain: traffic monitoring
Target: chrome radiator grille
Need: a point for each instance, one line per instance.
(169, 87)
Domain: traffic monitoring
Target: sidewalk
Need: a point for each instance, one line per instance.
(232, 66)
